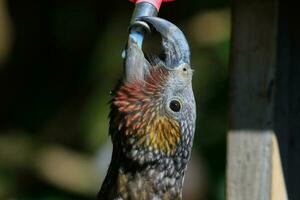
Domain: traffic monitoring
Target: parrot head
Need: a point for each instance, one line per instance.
(152, 119)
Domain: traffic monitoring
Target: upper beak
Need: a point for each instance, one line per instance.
(174, 43)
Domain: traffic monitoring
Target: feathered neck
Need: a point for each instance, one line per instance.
(148, 161)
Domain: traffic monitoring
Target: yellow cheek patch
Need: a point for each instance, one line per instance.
(150, 130)
(157, 133)
(163, 134)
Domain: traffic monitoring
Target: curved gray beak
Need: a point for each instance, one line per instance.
(174, 43)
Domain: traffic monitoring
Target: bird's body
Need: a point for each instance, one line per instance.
(152, 124)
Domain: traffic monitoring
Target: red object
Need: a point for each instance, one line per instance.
(155, 3)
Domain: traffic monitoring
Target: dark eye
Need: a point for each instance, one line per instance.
(175, 105)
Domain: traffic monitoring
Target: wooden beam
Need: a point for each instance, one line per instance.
(252, 152)
(249, 164)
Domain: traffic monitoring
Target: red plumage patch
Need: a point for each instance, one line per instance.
(139, 104)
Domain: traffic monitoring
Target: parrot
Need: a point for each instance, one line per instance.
(152, 121)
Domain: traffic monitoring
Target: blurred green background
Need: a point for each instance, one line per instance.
(58, 62)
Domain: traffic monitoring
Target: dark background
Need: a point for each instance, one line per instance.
(58, 62)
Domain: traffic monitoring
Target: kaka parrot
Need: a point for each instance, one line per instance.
(152, 121)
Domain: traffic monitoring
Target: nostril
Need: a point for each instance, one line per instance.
(184, 69)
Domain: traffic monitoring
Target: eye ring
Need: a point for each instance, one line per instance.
(175, 105)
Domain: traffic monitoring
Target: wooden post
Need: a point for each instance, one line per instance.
(253, 164)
